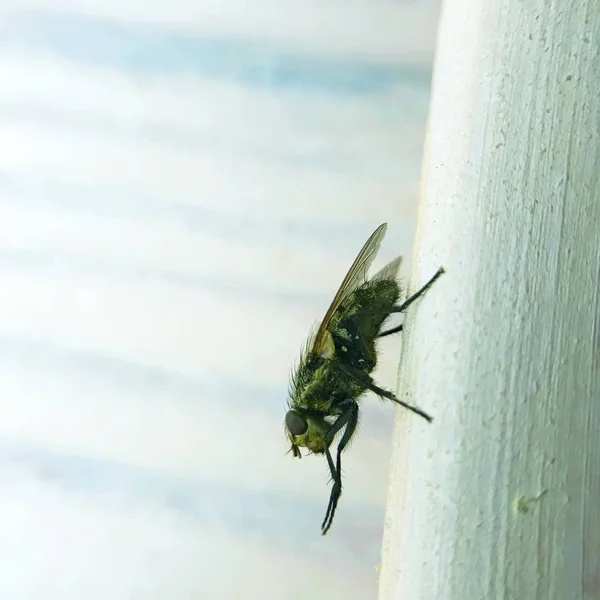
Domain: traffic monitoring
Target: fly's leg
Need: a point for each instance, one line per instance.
(396, 309)
(368, 382)
(349, 420)
(419, 293)
(389, 331)
(403, 306)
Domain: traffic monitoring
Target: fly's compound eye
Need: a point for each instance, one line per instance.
(295, 424)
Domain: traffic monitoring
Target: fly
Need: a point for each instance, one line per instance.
(336, 363)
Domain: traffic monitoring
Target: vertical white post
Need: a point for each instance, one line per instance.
(500, 496)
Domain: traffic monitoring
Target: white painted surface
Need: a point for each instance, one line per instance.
(500, 496)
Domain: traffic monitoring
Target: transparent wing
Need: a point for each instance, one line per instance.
(390, 271)
(355, 277)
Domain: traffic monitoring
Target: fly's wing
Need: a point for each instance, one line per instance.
(390, 271)
(355, 277)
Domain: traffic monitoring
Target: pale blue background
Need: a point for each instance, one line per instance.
(183, 185)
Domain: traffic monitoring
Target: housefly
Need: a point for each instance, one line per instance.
(335, 367)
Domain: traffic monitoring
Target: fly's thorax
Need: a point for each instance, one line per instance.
(311, 385)
(321, 382)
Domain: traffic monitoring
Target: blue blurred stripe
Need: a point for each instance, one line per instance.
(54, 264)
(98, 200)
(157, 383)
(144, 49)
(152, 381)
(288, 522)
(340, 161)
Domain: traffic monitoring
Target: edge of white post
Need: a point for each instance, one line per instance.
(500, 496)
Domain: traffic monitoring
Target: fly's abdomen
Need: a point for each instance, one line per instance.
(376, 295)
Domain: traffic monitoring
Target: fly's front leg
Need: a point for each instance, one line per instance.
(349, 420)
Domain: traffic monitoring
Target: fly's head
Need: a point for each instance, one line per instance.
(304, 432)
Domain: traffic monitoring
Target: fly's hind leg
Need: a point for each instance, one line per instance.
(419, 293)
(349, 420)
(390, 331)
(368, 382)
(404, 305)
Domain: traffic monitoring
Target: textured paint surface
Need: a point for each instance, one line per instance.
(500, 499)
(182, 187)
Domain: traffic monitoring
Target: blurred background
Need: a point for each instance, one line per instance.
(183, 186)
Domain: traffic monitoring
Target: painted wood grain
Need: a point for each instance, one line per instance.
(499, 498)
